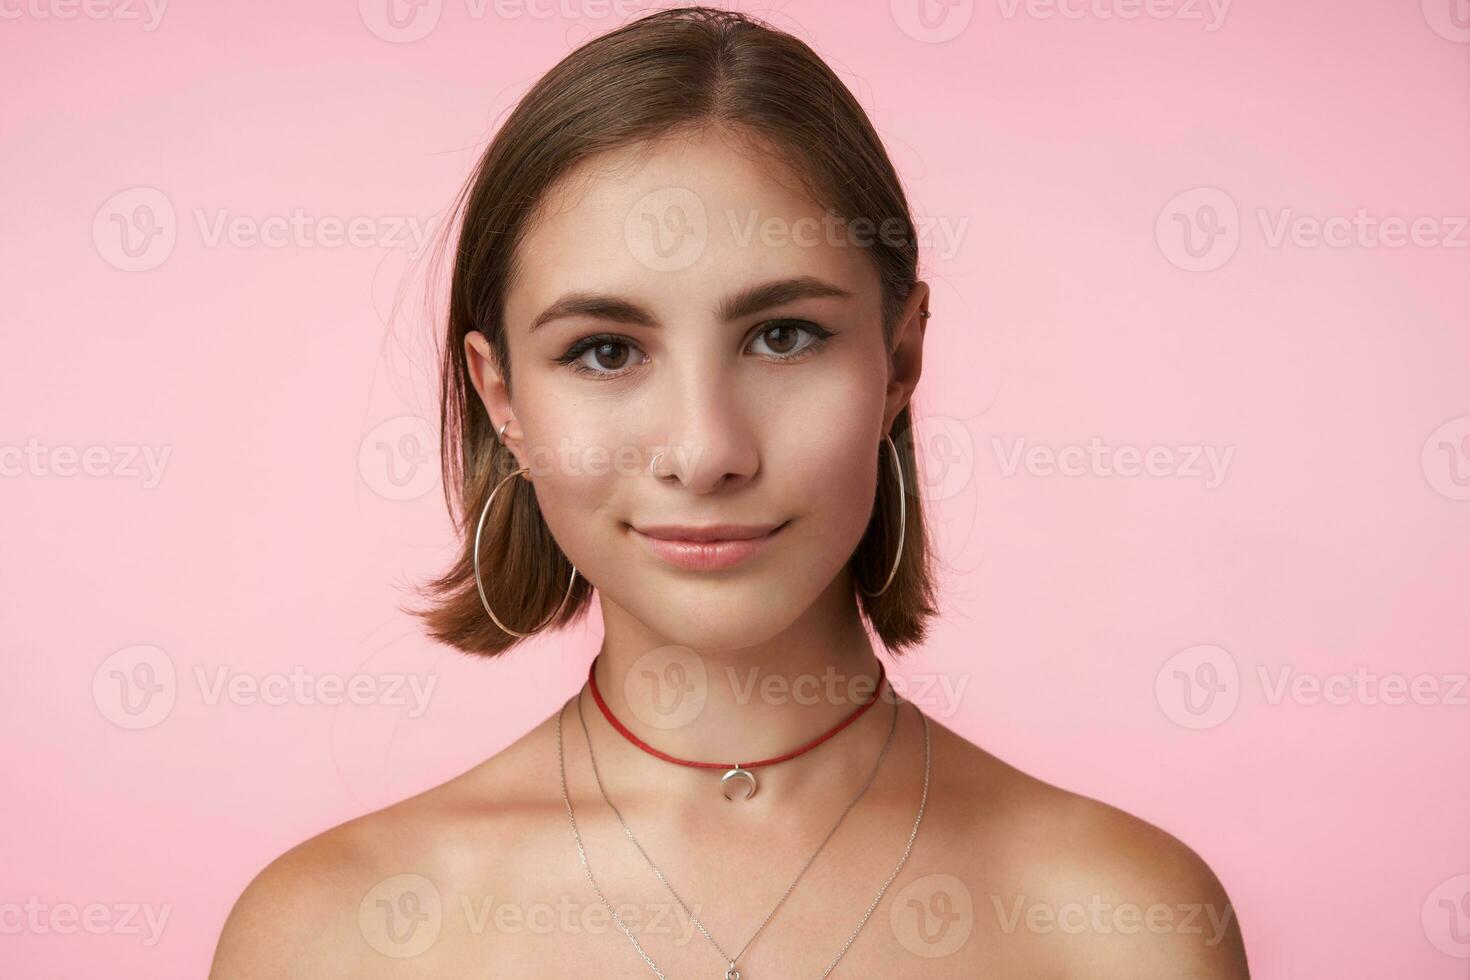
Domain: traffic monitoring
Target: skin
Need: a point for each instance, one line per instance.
(1009, 876)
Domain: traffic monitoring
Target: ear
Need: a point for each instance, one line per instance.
(492, 389)
(906, 360)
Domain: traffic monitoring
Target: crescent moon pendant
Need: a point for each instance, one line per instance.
(737, 775)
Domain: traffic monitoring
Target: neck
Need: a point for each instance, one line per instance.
(739, 705)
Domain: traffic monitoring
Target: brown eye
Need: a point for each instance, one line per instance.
(782, 338)
(610, 356)
(786, 340)
(599, 356)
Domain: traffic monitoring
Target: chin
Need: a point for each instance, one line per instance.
(710, 625)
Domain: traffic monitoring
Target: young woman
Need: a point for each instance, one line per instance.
(685, 329)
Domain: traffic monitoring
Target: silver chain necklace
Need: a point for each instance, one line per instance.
(732, 973)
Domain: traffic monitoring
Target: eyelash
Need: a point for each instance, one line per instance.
(574, 353)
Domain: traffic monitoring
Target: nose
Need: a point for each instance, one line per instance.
(711, 445)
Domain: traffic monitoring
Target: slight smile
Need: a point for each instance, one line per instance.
(709, 547)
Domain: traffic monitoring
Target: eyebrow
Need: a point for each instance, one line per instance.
(747, 302)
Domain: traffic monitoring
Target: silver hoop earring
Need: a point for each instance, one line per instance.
(479, 584)
(902, 518)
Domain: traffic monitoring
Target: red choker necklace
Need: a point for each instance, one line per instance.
(738, 771)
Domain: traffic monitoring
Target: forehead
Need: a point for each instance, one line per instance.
(679, 224)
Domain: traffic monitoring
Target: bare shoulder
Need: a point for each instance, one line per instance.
(333, 905)
(1080, 887)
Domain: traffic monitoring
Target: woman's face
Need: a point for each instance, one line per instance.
(686, 298)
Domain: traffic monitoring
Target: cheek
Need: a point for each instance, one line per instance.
(828, 447)
(577, 461)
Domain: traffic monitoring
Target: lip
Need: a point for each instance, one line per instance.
(708, 547)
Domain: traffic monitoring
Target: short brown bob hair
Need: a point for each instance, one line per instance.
(673, 70)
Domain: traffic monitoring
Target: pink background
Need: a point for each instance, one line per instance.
(285, 521)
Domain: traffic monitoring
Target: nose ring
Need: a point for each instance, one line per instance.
(653, 464)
